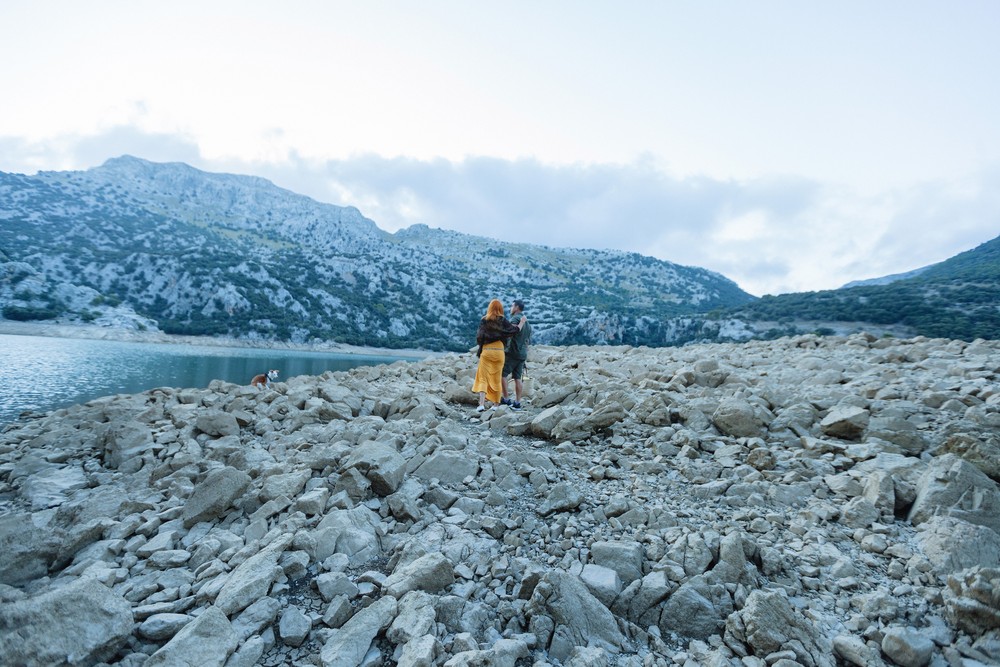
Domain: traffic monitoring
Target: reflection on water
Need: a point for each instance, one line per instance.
(42, 373)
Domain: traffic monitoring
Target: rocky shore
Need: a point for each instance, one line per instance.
(801, 502)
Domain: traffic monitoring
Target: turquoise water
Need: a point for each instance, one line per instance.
(39, 373)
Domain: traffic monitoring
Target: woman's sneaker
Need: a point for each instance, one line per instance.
(481, 408)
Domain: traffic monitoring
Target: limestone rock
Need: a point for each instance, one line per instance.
(161, 627)
(907, 646)
(432, 572)
(603, 582)
(738, 418)
(208, 640)
(217, 423)
(845, 422)
(563, 497)
(624, 557)
(26, 551)
(348, 645)
(972, 600)
(448, 467)
(954, 487)
(294, 626)
(697, 609)
(124, 444)
(952, 545)
(381, 464)
(586, 622)
(253, 578)
(78, 624)
(982, 452)
(416, 616)
(215, 494)
(768, 624)
(353, 532)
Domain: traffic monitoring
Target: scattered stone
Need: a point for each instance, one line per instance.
(707, 505)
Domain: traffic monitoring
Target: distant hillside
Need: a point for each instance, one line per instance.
(144, 245)
(885, 280)
(957, 298)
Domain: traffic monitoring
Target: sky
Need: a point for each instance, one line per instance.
(789, 146)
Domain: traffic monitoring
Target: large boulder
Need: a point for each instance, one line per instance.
(81, 623)
(579, 618)
(907, 646)
(697, 609)
(348, 645)
(448, 467)
(847, 422)
(125, 443)
(217, 423)
(353, 532)
(952, 486)
(26, 551)
(380, 463)
(252, 579)
(562, 497)
(981, 451)
(214, 495)
(624, 557)
(431, 572)
(738, 418)
(952, 545)
(206, 641)
(898, 431)
(768, 624)
(972, 600)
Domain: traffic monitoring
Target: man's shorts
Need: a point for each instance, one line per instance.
(513, 367)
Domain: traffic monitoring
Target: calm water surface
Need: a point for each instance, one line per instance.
(43, 373)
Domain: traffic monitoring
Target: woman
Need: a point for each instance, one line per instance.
(494, 329)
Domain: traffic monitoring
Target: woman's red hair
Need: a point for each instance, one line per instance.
(495, 310)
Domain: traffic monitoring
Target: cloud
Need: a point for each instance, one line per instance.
(770, 235)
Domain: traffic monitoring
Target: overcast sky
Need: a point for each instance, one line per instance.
(788, 145)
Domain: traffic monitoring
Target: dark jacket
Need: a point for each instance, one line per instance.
(493, 330)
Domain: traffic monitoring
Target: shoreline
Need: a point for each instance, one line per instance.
(95, 332)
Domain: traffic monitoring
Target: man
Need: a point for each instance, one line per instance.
(516, 355)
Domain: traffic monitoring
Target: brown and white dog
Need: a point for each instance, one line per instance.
(263, 380)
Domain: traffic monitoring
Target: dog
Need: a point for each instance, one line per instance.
(263, 381)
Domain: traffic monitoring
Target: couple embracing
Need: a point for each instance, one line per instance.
(495, 366)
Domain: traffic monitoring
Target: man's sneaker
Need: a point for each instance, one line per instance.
(505, 401)
(516, 405)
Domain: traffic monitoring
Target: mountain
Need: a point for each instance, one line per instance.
(166, 246)
(886, 280)
(957, 298)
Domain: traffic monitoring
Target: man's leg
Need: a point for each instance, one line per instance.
(518, 386)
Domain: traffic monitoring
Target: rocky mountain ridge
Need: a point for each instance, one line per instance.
(133, 243)
(804, 502)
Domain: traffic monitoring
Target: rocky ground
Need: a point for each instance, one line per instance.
(807, 501)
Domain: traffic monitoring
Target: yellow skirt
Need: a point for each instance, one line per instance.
(488, 373)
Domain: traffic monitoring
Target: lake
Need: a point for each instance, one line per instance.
(41, 373)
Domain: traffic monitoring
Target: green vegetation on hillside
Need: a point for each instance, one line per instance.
(958, 298)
